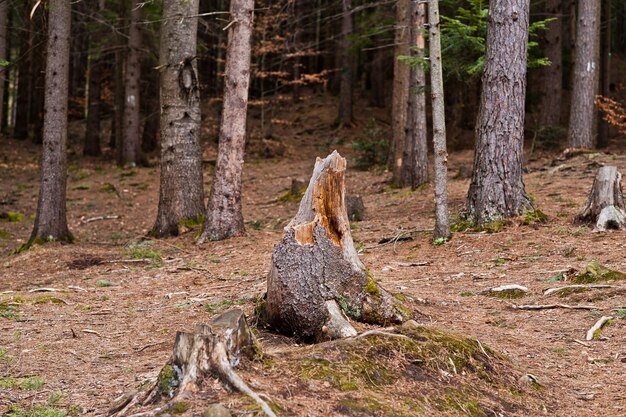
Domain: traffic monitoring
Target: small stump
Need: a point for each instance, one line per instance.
(605, 205)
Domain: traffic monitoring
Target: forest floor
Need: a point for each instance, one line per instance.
(121, 296)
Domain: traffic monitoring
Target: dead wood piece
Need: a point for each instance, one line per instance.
(98, 218)
(552, 306)
(408, 264)
(212, 349)
(514, 290)
(355, 208)
(316, 262)
(45, 289)
(591, 333)
(337, 326)
(575, 287)
(605, 204)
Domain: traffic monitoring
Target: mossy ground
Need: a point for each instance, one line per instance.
(594, 272)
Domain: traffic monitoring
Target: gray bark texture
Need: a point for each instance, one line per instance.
(224, 217)
(497, 187)
(585, 76)
(415, 156)
(316, 263)
(4, 8)
(552, 76)
(346, 79)
(442, 222)
(181, 194)
(130, 149)
(51, 218)
(400, 92)
(605, 204)
(92, 132)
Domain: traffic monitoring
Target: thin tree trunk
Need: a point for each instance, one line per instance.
(377, 78)
(22, 101)
(181, 195)
(400, 94)
(346, 80)
(224, 217)
(4, 8)
(51, 219)
(92, 132)
(605, 70)
(442, 224)
(131, 146)
(296, 47)
(585, 77)
(415, 157)
(552, 76)
(497, 188)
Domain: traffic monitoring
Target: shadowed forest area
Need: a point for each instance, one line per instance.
(357, 208)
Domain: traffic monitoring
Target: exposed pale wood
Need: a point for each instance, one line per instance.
(605, 204)
(573, 287)
(599, 324)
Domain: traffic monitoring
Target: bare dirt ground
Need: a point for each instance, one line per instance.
(121, 298)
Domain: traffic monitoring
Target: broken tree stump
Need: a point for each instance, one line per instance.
(211, 350)
(317, 278)
(605, 204)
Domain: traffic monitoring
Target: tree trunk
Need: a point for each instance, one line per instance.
(51, 219)
(181, 195)
(315, 268)
(400, 93)
(605, 70)
(497, 188)
(552, 76)
(415, 156)
(585, 77)
(605, 205)
(4, 9)
(377, 78)
(22, 101)
(117, 120)
(442, 223)
(131, 140)
(346, 80)
(224, 217)
(92, 132)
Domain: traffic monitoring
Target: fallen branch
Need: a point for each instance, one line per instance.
(552, 306)
(44, 290)
(407, 264)
(574, 287)
(599, 324)
(97, 218)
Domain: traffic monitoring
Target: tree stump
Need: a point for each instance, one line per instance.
(211, 350)
(317, 278)
(605, 204)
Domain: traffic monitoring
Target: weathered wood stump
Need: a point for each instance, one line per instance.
(317, 278)
(605, 204)
(211, 350)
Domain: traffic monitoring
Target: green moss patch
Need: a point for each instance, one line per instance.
(594, 272)
(468, 225)
(11, 217)
(533, 217)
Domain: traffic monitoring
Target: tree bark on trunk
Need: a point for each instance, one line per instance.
(346, 79)
(605, 70)
(4, 8)
(377, 78)
(181, 195)
(415, 157)
(317, 277)
(92, 132)
(224, 217)
(552, 76)
(400, 93)
(585, 77)
(130, 151)
(442, 222)
(22, 101)
(51, 219)
(497, 188)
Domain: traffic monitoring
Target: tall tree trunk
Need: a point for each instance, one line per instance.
(92, 132)
(181, 195)
(497, 188)
(224, 217)
(4, 9)
(117, 120)
(552, 76)
(377, 78)
(605, 70)
(400, 94)
(415, 157)
(585, 77)
(51, 219)
(131, 146)
(346, 80)
(296, 48)
(24, 82)
(442, 223)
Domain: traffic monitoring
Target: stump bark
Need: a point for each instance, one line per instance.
(605, 204)
(317, 278)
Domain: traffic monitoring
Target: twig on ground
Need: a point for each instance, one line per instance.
(580, 342)
(91, 332)
(44, 290)
(551, 306)
(601, 322)
(97, 218)
(574, 287)
(149, 345)
(76, 288)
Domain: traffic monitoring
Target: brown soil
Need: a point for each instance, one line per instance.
(114, 328)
